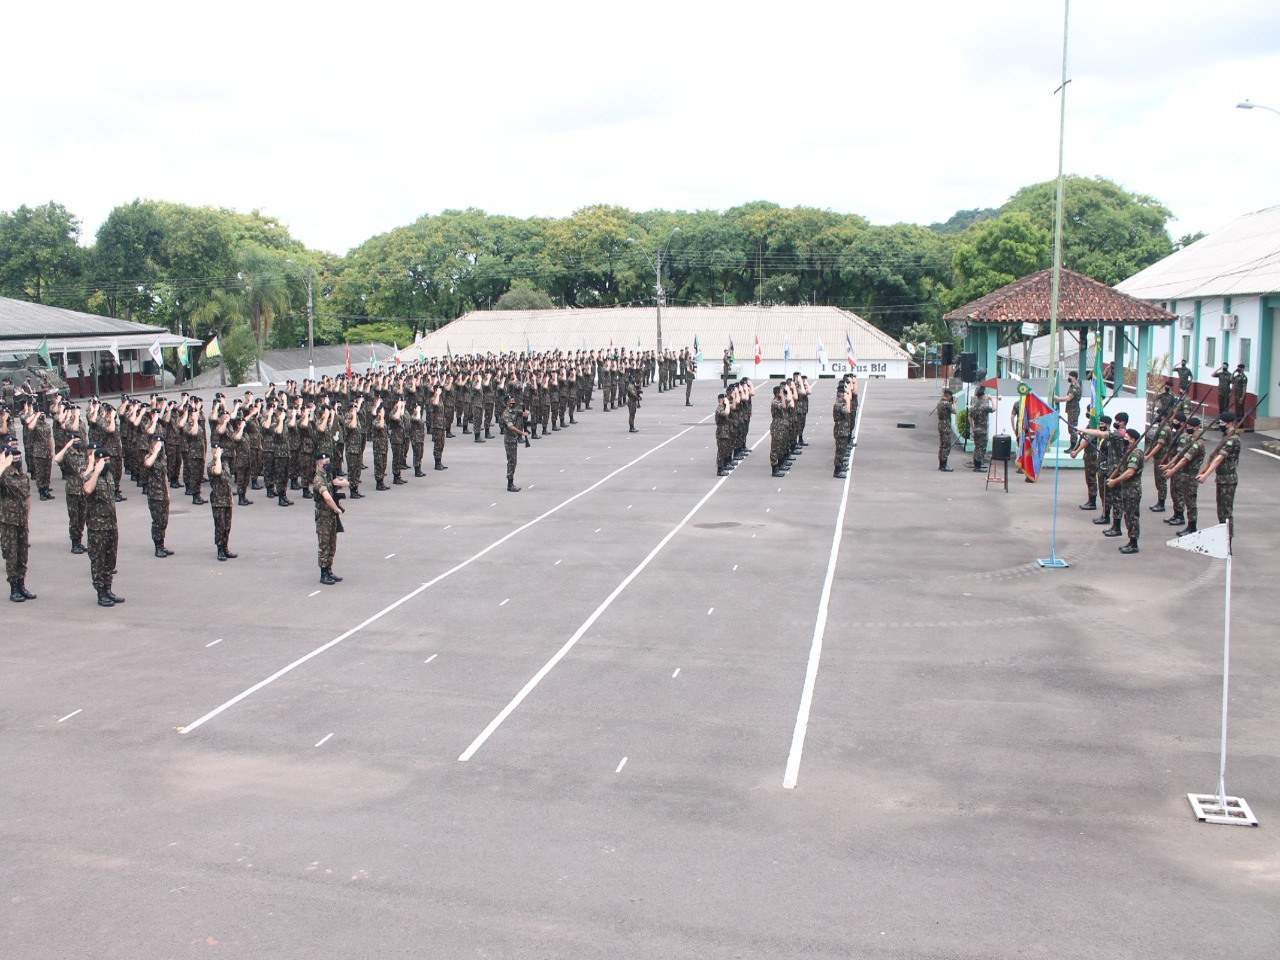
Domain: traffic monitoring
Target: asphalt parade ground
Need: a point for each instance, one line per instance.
(641, 711)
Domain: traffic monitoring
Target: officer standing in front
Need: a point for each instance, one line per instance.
(946, 410)
(15, 519)
(104, 533)
(513, 432)
(328, 512)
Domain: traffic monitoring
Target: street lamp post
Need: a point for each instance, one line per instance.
(1246, 105)
(658, 287)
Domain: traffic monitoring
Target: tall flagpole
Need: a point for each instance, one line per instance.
(1053, 561)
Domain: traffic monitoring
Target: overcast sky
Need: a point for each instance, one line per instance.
(347, 120)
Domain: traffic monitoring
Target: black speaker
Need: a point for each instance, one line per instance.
(947, 354)
(969, 367)
(1001, 446)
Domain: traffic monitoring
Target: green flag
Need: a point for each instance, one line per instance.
(42, 352)
(1099, 389)
(183, 357)
(213, 350)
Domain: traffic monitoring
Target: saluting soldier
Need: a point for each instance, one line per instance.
(156, 475)
(979, 417)
(1223, 467)
(71, 460)
(1223, 375)
(328, 512)
(514, 431)
(104, 533)
(220, 500)
(439, 425)
(1239, 386)
(945, 410)
(15, 519)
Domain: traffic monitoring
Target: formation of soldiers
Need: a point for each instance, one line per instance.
(1115, 458)
(294, 437)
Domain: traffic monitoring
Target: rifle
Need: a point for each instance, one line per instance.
(1173, 441)
(1123, 457)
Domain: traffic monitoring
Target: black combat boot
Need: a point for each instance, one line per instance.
(778, 472)
(439, 465)
(104, 600)
(1157, 507)
(942, 465)
(1114, 529)
(1176, 520)
(229, 554)
(120, 498)
(417, 472)
(977, 466)
(14, 593)
(306, 493)
(1131, 546)
(293, 483)
(254, 484)
(397, 479)
(161, 552)
(1191, 528)
(243, 501)
(380, 486)
(356, 494)
(198, 501)
(326, 577)
(1104, 519)
(1090, 504)
(222, 553)
(22, 589)
(511, 485)
(77, 547)
(487, 434)
(112, 597)
(282, 500)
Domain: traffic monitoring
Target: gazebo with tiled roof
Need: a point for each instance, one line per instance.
(1083, 305)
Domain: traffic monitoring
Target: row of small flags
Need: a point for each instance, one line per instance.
(786, 350)
(155, 351)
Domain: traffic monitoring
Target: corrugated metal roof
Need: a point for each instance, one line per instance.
(1241, 258)
(21, 320)
(635, 328)
(1081, 300)
(291, 363)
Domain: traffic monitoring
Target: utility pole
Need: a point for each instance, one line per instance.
(658, 301)
(311, 327)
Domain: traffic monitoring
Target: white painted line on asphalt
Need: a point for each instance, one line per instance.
(494, 504)
(735, 568)
(710, 610)
(628, 506)
(207, 645)
(505, 602)
(448, 525)
(312, 594)
(250, 691)
(430, 658)
(653, 488)
(70, 715)
(578, 634)
(767, 509)
(621, 765)
(676, 674)
(1265, 453)
(324, 741)
(792, 773)
(597, 529)
(779, 489)
(557, 563)
(388, 556)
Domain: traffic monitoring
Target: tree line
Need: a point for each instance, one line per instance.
(204, 271)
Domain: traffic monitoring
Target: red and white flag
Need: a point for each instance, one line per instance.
(759, 355)
(156, 355)
(348, 361)
(848, 352)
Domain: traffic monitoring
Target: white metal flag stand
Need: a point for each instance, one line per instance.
(1209, 807)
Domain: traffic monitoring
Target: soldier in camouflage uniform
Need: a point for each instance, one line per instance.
(328, 525)
(104, 533)
(418, 439)
(945, 410)
(1182, 471)
(1159, 435)
(381, 445)
(979, 417)
(15, 518)
(633, 402)
(1239, 387)
(513, 423)
(70, 460)
(156, 477)
(220, 501)
(1223, 467)
(439, 425)
(778, 431)
(1129, 482)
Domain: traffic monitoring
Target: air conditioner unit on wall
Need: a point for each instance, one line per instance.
(1229, 321)
(1186, 323)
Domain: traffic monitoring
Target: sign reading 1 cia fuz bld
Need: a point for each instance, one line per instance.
(869, 369)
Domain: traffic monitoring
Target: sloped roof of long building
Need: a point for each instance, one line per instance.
(1241, 258)
(25, 325)
(1082, 301)
(635, 328)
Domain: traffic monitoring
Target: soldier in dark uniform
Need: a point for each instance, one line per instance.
(724, 436)
(104, 534)
(1183, 373)
(1129, 481)
(1072, 399)
(15, 518)
(1159, 435)
(726, 368)
(418, 437)
(398, 435)
(778, 432)
(70, 459)
(40, 455)
(1223, 467)
(633, 402)
(355, 448)
(328, 525)
(945, 410)
(156, 478)
(439, 425)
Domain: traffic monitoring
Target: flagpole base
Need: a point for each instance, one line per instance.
(1209, 808)
(1053, 563)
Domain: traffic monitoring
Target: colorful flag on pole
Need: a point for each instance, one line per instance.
(848, 351)
(42, 352)
(156, 353)
(348, 360)
(184, 355)
(1099, 388)
(396, 356)
(733, 354)
(697, 348)
(372, 359)
(1037, 423)
(114, 350)
(822, 354)
(212, 349)
(759, 355)
(786, 347)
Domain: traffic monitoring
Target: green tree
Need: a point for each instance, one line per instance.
(380, 332)
(39, 253)
(239, 354)
(522, 296)
(994, 253)
(1108, 233)
(127, 256)
(265, 292)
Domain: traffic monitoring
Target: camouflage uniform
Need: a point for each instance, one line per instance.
(979, 418)
(946, 410)
(15, 496)
(512, 417)
(220, 504)
(1131, 492)
(1186, 478)
(158, 498)
(326, 520)
(104, 534)
(1227, 478)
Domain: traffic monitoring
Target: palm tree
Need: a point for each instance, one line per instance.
(214, 315)
(265, 292)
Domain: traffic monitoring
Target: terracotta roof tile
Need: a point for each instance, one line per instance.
(1081, 301)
